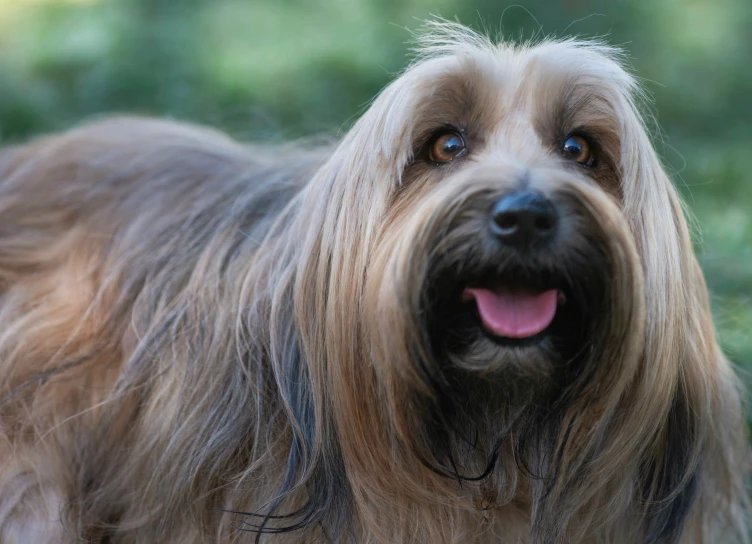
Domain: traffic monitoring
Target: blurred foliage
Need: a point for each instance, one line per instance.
(284, 68)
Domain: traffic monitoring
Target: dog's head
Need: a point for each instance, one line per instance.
(503, 193)
(494, 260)
(504, 241)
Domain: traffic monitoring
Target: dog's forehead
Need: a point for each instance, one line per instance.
(509, 91)
(512, 73)
(512, 69)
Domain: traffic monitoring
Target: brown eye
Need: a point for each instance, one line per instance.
(446, 147)
(578, 149)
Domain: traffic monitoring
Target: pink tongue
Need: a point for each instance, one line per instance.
(514, 315)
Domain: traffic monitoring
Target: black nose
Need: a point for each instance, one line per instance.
(524, 218)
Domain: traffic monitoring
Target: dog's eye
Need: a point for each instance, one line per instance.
(578, 149)
(446, 146)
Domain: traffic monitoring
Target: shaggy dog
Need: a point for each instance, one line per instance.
(476, 318)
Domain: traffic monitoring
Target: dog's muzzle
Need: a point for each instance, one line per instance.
(523, 221)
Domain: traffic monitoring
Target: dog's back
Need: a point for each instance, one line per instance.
(101, 226)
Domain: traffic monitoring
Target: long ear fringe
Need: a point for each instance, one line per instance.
(700, 444)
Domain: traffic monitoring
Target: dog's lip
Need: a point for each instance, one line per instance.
(520, 313)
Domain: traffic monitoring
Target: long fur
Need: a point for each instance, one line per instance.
(203, 341)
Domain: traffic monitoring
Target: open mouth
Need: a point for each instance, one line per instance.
(519, 315)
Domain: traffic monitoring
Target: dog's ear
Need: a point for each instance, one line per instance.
(670, 474)
(692, 466)
(329, 390)
(321, 247)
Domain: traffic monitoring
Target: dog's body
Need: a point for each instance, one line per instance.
(202, 341)
(72, 263)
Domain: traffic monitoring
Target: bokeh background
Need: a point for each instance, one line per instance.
(279, 69)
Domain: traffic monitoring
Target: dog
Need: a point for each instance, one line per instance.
(476, 318)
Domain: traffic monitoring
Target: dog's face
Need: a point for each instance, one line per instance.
(517, 270)
(504, 235)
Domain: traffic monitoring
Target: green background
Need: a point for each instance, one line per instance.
(278, 69)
